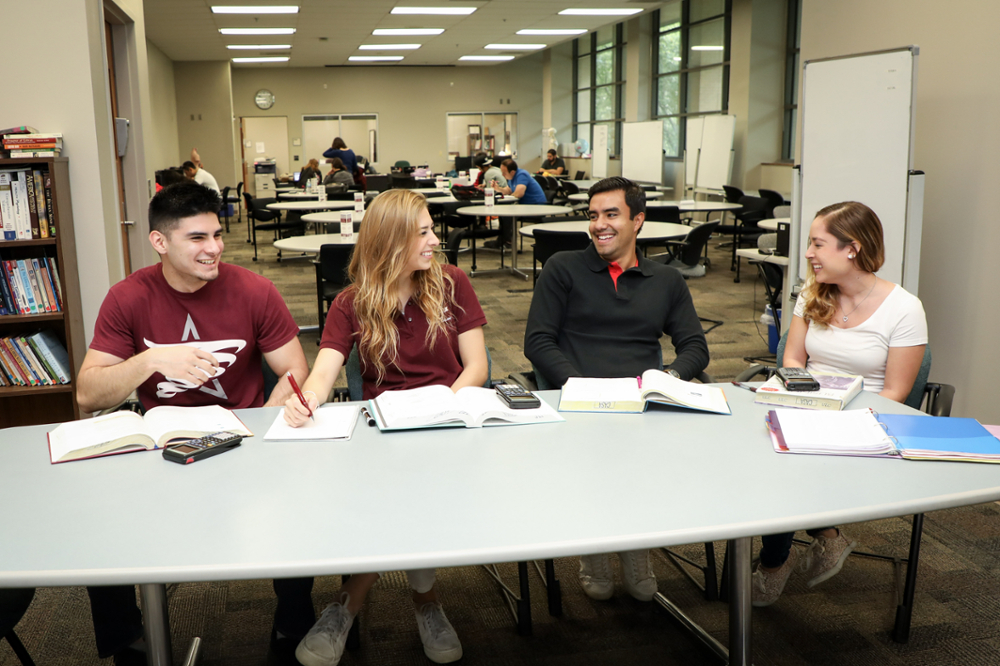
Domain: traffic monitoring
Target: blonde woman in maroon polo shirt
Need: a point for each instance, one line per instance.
(416, 323)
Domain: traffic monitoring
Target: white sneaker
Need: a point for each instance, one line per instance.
(324, 644)
(441, 644)
(595, 576)
(637, 574)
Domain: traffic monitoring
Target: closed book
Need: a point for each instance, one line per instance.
(10, 367)
(9, 305)
(29, 185)
(7, 208)
(29, 295)
(32, 146)
(18, 288)
(41, 297)
(25, 371)
(835, 392)
(49, 210)
(31, 136)
(34, 153)
(36, 366)
(18, 130)
(54, 352)
(43, 218)
(46, 281)
(13, 305)
(19, 197)
(50, 263)
(49, 370)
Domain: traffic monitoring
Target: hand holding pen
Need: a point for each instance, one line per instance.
(297, 408)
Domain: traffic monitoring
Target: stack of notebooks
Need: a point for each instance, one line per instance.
(26, 208)
(863, 432)
(835, 392)
(33, 360)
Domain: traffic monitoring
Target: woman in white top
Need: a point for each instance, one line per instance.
(847, 320)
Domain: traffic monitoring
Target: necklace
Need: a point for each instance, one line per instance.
(862, 300)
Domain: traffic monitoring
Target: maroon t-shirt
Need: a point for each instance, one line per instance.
(418, 365)
(236, 317)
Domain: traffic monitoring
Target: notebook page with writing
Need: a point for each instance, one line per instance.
(332, 421)
(853, 431)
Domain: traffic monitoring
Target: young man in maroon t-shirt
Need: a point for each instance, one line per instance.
(188, 331)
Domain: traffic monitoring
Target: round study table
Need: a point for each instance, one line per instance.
(517, 212)
(311, 205)
(582, 195)
(297, 195)
(311, 244)
(695, 206)
(772, 224)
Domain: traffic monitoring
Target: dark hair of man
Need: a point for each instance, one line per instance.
(174, 203)
(635, 197)
(171, 176)
(189, 165)
(338, 144)
(552, 152)
(510, 165)
(337, 163)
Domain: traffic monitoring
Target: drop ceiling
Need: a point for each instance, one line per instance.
(328, 32)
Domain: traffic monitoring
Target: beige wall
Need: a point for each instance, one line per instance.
(411, 103)
(163, 144)
(204, 117)
(957, 143)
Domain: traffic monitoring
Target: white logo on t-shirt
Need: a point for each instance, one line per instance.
(190, 337)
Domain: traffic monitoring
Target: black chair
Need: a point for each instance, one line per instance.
(14, 603)
(378, 182)
(238, 200)
(745, 229)
(548, 243)
(663, 214)
(331, 276)
(402, 181)
(262, 219)
(687, 253)
(580, 175)
(224, 211)
(774, 199)
(472, 232)
(733, 194)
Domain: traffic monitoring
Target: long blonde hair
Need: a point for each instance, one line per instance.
(848, 222)
(380, 259)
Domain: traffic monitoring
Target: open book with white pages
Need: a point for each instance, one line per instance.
(438, 406)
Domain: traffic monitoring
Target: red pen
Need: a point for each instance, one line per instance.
(295, 387)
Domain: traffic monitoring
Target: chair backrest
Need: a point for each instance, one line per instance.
(333, 262)
(540, 179)
(754, 210)
(378, 182)
(773, 198)
(663, 214)
(733, 194)
(782, 211)
(548, 243)
(355, 384)
(239, 189)
(580, 175)
(401, 164)
(569, 187)
(694, 243)
(553, 183)
(402, 181)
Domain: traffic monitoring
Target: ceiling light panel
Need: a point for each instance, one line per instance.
(263, 59)
(573, 31)
(599, 12)
(515, 47)
(257, 31)
(487, 57)
(273, 9)
(259, 47)
(375, 58)
(396, 32)
(388, 47)
(449, 11)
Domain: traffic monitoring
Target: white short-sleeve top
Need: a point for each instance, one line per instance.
(864, 349)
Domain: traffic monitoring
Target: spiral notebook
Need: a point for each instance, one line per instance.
(864, 432)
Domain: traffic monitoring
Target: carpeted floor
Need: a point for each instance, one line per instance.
(844, 621)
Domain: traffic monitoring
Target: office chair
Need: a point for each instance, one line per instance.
(331, 276)
(774, 199)
(580, 175)
(548, 243)
(685, 255)
(401, 164)
(14, 603)
(262, 219)
(745, 228)
(733, 194)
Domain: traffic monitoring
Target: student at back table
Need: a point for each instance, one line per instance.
(600, 312)
(188, 331)
(415, 323)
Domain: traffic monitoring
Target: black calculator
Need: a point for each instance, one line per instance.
(517, 397)
(203, 447)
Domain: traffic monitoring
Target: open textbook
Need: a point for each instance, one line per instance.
(125, 432)
(437, 406)
(835, 392)
(632, 394)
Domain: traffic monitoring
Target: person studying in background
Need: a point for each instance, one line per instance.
(553, 165)
(847, 320)
(310, 170)
(188, 331)
(200, 176)
(489, 175)
(520, 185)
(415, 323)
(346, 155)
(338, 174)
(600, 312)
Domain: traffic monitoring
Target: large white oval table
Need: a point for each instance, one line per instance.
(297, 195)
(311, 244)
(517, 212)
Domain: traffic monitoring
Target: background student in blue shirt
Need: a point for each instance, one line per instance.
(520, 185)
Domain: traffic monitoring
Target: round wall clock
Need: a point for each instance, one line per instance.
(264, 99)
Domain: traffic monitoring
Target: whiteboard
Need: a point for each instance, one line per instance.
(599, 156)
(857, 130)
(692, 146)
(642, 151)
(715, 161)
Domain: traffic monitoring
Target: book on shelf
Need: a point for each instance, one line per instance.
(864, 432)
(43, 216)
(18, 130)
(438, 406)
(49, 210)
(20, 154)
(632, 395)
(27, 286)
(331, 421)
(39, 359)
(125, 432)
(835, 392)
(7, 208)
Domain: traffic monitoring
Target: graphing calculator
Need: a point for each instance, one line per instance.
(517, 397)
(797, 379)
(203, 447)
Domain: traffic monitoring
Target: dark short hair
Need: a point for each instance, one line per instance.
(338, 144)
(189, 165)
(174, 203)
(552, 151)
(635, 197)
(336, 163)
(510, 165)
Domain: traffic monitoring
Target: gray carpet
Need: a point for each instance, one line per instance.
(844, 621)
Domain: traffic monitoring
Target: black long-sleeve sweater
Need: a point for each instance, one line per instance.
(580, 326)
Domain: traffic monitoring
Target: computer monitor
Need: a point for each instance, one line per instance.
(296, 176)
(463, 164)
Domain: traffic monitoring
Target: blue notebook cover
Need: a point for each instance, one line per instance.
(940, 433)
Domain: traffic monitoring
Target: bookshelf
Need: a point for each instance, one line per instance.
(32, 405)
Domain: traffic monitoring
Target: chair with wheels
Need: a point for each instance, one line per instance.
(261, 219)
(331, 276)
(685, 255)
(774, 199)
(548, 243)
(745, 229)
(14, 603)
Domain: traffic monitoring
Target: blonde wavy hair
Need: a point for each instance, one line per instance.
(382, 253)
(848, 222)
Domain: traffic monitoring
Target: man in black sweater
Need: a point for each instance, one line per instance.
(600, 312)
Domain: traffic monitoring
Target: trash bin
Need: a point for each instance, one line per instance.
(773, 334)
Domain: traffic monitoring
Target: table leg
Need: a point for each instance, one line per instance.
(904, 611)
(156, 624)
(513, 249)
(739, 602)
(524, 602)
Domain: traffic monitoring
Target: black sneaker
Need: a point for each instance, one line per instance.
(130, 657)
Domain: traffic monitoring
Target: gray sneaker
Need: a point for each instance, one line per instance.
(637, 574)
(324, 644)
(595, 576)
(767, 586)
(825, 556)
(441, 644)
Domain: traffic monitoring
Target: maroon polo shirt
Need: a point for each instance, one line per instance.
(417, 364)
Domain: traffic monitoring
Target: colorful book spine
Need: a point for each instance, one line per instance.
(36, 367)
(19, 197)
(26, 285)
(56, 282)
(49, 370)
(9, 306)
(29, 186)
(46, 281)
(36, 284)
(17, 288)
(10, 367)
(7, 208)
(49, 210)
(54, 352)
(34, 153)
(26, 373)
(43, 217)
